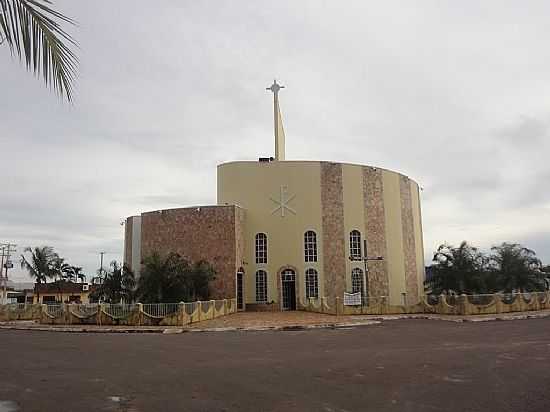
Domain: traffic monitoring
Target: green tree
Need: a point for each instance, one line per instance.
(172, 279)
(462, 269)
(518, 268)
(75, 274)
(41, 264)
(61, 269)
(117, 286)
(162, 279)
(199, 276)
(33, 30)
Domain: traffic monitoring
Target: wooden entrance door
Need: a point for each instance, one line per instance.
(240, 301)
(288, 286)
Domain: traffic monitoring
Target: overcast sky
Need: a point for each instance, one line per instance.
(453, 94)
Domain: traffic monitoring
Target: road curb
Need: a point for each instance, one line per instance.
(170, 331)
(287, 328)
(371, 321)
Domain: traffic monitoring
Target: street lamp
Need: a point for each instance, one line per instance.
(365, 258)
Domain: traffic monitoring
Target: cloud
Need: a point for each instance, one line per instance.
(455, 96)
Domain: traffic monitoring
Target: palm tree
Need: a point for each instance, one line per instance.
(41, 264)
(163, 279)
(77, 274)
(61, 269)
(31, 28)
(63, 274)
(118, 285)
(461, 269)
(173, 279)
(518, 268)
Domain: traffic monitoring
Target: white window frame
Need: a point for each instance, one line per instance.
(260, 242)
(312, 283)
(310, 246)
(261, 286)
(355, 244)
(356, 280)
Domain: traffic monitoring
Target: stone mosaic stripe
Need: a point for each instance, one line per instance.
(332, 203)
(128, 239)
(409, 246)
(375, 219)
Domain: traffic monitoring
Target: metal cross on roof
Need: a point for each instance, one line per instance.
(275, 87)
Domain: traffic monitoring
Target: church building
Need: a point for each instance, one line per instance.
(284, 231)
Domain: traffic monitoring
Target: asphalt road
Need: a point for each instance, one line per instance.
(407, 365)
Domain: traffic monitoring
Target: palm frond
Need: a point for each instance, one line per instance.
(32, 29)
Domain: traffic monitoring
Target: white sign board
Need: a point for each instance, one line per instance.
(352, 299)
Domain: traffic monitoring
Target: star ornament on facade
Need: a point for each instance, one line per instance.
(283, 202)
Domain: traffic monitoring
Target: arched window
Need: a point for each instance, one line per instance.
(310, 246)
(312, 284)
(356, 280)
(355, 244)
(261, 286)
(261, 248)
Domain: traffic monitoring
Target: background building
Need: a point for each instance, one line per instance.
(284, 231)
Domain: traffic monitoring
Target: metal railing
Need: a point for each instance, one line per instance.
(206, 306)
(481, 299)
(55, 310)
(160, 310)
(84, 310)
(190, 308)
(134, 313)
(15, 306)
(488, 298)
(119, 310)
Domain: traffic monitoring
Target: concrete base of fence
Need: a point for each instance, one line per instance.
(186, 313)
(442, 305)
(119, 315)
(13, 312)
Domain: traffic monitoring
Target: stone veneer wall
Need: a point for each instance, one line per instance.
(373, 196)
(209, 232)
(334, 254)
(128, 228)
(409, 246)
(231, 282)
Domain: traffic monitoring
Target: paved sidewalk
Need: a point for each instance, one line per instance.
(256, 321)
(269, 320)
(265, 320)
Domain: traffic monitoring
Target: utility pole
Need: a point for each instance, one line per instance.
(6, 249)
(101, 264)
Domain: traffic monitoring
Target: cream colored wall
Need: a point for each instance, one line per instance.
(394, 236)
(251, 185)
(354, 212)
(418, 238)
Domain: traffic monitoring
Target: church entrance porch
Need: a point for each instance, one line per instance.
(288, 283)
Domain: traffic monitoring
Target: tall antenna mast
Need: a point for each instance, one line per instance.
(278, 122)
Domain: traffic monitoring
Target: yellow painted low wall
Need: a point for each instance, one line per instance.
(462, 305)
(126, 315)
